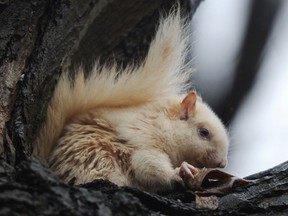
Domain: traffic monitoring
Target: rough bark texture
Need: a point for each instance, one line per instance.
(31, 189)
(38, 40)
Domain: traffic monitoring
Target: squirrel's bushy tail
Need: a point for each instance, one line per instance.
(163, 73)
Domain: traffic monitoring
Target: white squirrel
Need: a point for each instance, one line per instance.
(136, 127)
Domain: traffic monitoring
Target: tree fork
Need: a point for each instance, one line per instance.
(40, 39)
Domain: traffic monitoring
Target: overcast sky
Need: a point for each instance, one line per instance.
(259, 130)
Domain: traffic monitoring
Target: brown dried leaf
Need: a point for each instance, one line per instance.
(214, 181)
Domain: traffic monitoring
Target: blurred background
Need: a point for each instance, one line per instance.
(241, 58)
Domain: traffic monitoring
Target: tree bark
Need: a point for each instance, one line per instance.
(31, 189)
(40, 39)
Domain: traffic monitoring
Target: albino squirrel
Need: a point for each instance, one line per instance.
(135, 127)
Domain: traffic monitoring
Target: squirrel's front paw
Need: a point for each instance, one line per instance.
(186, 173)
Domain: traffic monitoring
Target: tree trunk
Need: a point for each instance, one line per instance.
(260, 24)
(40, 39)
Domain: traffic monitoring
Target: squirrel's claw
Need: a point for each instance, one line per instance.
(187, 171)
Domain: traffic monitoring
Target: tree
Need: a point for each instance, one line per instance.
(39, 39)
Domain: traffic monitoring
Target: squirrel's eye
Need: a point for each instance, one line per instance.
(204, 133)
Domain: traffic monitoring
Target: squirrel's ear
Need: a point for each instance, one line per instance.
(188, 105)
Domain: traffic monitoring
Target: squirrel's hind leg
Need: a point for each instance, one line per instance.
(90, 150)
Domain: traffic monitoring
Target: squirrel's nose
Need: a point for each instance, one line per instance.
(222, 164)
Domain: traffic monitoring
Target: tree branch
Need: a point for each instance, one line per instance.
(33, 189)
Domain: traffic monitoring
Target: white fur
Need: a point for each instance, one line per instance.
(163, 73)
(137, 113)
